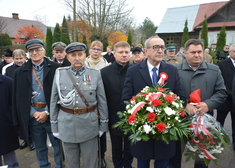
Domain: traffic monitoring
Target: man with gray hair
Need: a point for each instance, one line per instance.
(78, 109)
(31, 101)
(19, 58)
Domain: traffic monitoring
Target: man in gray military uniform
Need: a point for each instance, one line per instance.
(78, 118)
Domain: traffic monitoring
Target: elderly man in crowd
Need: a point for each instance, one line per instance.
(79, 110)
(19, 58)
(31, 101)
(146, 74)
(195, 74)
(59, 54)
(137, 55)
(170, 56)
(7, 59)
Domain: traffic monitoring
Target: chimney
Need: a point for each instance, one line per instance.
(15, 15)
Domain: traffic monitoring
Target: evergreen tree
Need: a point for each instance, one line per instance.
(185, 35)
(129, 40)
(142, 41)
(49, 40)
(57, 33)
(65, 32)
(84, 40)
(221, 42)
(204, 32)
(5, 39)
(148, 28)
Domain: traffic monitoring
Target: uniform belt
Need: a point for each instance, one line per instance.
(39, 104)
(78, 111)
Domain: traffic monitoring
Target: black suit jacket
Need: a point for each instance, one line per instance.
(227, 70)
(137, 78)
(65, 62)
(22, 93)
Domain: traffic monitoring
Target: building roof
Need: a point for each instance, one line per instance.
(174, 18)
(12, 25)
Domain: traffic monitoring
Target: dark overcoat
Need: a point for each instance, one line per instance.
(227, 70)
(10, 70)
(137, 78)
(65, 62)
(113, 78)
(9, 135)
(22, 93)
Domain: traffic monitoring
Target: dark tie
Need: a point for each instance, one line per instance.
(154, 77)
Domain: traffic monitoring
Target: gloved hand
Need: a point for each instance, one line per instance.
(100, 133)
(57, 135)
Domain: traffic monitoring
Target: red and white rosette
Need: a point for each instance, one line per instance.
(163, 78)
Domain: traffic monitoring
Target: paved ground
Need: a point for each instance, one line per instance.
(27, 159)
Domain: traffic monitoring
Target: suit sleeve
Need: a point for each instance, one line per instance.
(54, 107)
(14, 109)
(102, 105)
(220, 93)
(128, 89)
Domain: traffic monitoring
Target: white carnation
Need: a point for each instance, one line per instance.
(169, 111)
(150, 109)
(147, 128)
(176, 104)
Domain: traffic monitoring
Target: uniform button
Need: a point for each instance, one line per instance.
(77, 95)
(65, 87)
(76, 101)
(77, 83)
(77, 77)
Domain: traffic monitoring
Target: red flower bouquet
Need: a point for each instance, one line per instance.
(156, 113)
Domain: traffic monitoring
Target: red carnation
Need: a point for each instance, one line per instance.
(157, 102)
(146, 94)
(131, 119)
(151, 117)
(160, 127)
(169, 98)
(133, 98)
(182, 113)
(212, 142)
(202, 146)
(160, 89)
(200, 137)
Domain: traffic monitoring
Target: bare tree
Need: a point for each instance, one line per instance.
(43, 19)
(103, 16)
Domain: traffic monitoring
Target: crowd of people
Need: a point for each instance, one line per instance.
(73, 99)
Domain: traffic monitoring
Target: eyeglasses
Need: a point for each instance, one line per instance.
(98, 49)
(36, 50)
(157, 47)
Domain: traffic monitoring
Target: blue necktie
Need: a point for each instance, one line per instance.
(154, 77)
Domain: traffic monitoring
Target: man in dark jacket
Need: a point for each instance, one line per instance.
(109, 55)
(59, 54)
(7, 59)
(144, 74)
(9, 136)
(19, 58)
(113, 78)
(227, 69)
(31, 101)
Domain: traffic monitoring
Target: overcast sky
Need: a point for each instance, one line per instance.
(54, 10)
